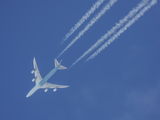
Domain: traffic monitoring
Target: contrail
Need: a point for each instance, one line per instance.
(94, 19)
(133, 20)
(83, 19)
(111, 31)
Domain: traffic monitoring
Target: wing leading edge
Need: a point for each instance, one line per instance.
(36, 72)
(49, 85)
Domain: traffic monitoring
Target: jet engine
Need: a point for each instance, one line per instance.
(45, 90)
(33, 79)
(32, 71)
(55, 89)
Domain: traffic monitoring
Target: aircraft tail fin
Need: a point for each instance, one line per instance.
(60, 67)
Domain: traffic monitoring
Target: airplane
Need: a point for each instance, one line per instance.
(42, 82)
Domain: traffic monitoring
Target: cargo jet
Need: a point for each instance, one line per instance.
(42, 82)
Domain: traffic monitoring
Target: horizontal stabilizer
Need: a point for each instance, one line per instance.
(62, 67)
(57, 64)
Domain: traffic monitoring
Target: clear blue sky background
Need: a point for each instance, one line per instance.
(121, 83)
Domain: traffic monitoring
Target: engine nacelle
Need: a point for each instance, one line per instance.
(32, 71)
(33, 79)
(55, 89)
(45, 90)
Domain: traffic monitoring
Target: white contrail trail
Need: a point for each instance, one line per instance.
(83, 19)
(94, 19)
(133, 20)
(111, 31)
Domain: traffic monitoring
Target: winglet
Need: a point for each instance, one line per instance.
(57, 64)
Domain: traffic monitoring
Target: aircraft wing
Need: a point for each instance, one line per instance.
(49, 85)
(37, 75)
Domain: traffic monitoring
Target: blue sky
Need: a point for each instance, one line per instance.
(121, 83)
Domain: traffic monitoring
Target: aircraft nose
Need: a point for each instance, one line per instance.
(27, 95)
